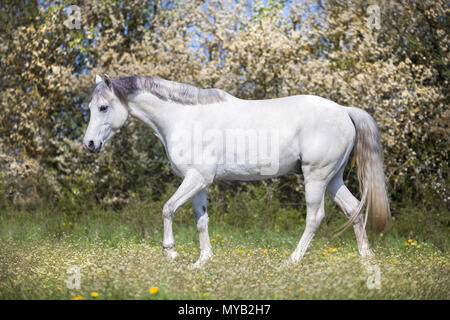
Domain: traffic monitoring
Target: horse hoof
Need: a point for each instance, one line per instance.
(204, 257)
(293, 259)
(367, 254)
(171, 254)
(198, 265)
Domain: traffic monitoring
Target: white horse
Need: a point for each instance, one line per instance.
(210, 135)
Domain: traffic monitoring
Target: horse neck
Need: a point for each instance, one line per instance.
(153, 111)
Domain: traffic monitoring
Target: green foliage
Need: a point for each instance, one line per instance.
(254, 50)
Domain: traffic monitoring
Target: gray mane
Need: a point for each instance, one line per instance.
(166, 90)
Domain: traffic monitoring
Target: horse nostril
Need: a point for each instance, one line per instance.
(91, 144)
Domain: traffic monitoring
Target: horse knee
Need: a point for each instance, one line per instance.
(314, 220)
(315, 214)
(168, 211)
(202, 223)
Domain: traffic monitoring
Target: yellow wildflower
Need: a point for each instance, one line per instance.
(153, 290)
(78, 298)
(94, 294)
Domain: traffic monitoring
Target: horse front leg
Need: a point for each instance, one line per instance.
(193, 182)
(201, 220)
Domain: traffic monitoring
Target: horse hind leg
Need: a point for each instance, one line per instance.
(348, 203)
(315, 212)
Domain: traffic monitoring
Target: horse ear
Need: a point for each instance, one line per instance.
(98, 79)
(108, 81)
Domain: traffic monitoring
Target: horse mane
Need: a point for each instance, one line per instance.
(163, 89)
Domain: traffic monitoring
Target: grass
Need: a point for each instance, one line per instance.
(120, 257)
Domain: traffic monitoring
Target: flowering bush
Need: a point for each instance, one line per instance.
(397, 71)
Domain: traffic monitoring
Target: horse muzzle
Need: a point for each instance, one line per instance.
(91, 146)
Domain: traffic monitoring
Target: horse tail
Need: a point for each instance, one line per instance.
(371, 176)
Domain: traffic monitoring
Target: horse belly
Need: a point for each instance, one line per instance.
(264, 169)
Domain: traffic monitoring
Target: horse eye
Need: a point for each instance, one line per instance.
(103, 108)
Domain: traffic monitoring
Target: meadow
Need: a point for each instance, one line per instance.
(120, 256)
(61, 206)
